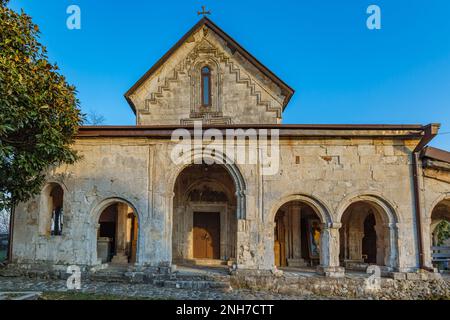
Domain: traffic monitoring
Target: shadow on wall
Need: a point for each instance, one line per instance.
(3, 246)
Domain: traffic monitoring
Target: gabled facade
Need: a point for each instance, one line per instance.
(240, 89)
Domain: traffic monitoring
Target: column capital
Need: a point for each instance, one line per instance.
(331, 225)
(241, 193)
(169, 194)
(393, 225)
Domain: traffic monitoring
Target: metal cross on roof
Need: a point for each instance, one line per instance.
(204, 12)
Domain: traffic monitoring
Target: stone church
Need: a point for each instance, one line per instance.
(342, 197)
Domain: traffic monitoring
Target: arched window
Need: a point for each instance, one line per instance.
(56, 196)
(206, 87)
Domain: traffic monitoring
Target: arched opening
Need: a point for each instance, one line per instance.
(204, 216)
(51, 215)
(57, 221)
(297, 235)
(365, 236)
(440, 235)
(117, 234)
(206, 86)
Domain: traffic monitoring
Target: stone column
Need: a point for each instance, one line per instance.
(391, 247)
(244, 258)
(121, 235)
(296, 260)
(355, 238)
(427, 242)
(95, 259)
(382, 242)
(329, 252)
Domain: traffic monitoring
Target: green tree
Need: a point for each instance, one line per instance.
(39, 112)
(443, 232)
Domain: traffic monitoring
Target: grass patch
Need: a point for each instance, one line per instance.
(76, 295)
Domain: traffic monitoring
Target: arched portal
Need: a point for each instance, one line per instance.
(117, 235)
(205, 214)
(366, 236)
(297, 235)
(440, 235)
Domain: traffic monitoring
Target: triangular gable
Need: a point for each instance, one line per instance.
(231, 43)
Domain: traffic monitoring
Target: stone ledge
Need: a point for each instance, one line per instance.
(19, 296)
(347, 287)
(331, 272)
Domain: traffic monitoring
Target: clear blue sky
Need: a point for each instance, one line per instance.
(341, 71)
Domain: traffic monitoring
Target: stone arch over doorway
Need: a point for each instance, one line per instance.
(117, 232)
(298, 224)
(196, 156)
(204, 216)
(368, 233)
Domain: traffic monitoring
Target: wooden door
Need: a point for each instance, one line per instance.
(206, 235)
(134, 238)
(280, 241)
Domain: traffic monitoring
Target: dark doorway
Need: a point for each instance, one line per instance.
(206, 235)
(369, 242)
(118, 234)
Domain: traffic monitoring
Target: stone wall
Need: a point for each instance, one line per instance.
(330, 175)
(414, 288)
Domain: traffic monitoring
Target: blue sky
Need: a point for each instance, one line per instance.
(341, 71)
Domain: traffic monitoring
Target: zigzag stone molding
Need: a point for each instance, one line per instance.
(186, 64)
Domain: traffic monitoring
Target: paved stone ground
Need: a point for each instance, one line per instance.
(145, 291)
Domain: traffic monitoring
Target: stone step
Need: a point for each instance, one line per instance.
(196, 285)
(206, 262)
(20, 295)
(108, 276)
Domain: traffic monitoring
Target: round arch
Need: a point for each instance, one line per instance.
(46, 204)
(388, 229)
(196, 155)
(436, 202)
(377, 200)
(319, 207)
(289, 238)
(95, 216)
(437, 215)
(105, 203)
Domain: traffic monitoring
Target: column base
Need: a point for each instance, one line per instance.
(120, 258)
(331, 272)
(356, 265)
(296, 263)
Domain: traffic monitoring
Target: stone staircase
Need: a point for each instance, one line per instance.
(190, 278)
